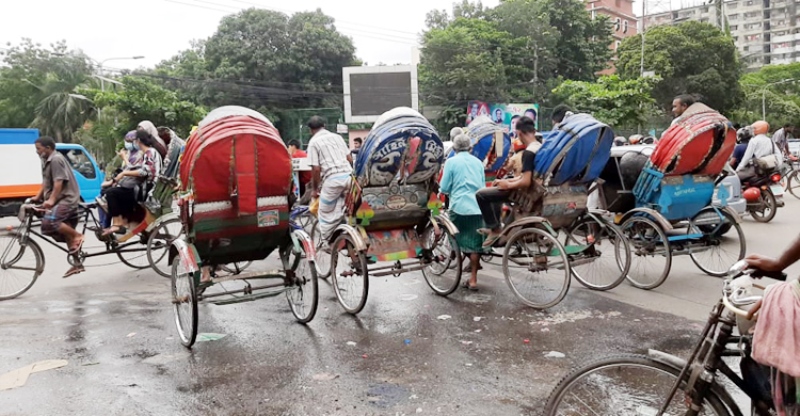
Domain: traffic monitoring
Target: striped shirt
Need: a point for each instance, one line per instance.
(329, 151)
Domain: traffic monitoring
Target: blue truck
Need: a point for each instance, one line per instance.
(21, 169)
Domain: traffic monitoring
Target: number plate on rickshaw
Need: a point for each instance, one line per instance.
(393, 245)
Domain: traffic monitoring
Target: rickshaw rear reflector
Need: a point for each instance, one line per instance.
(776, 177)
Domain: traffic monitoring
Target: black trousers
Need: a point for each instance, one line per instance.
(490, 201)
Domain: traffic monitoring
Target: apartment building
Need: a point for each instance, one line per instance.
(766, 32)
(621, 15)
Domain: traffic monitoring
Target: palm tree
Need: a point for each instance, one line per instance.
(63, 111)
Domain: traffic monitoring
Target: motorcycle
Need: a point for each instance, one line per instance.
(761, 202)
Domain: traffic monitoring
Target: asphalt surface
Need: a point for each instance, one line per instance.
(400, 356)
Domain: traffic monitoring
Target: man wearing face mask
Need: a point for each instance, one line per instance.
(59, 196)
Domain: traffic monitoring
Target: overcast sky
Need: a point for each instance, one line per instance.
(158, 29)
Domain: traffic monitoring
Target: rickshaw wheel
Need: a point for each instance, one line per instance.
(646, 239)
(18, 263)
(349, 271)
(184, 300)
(303, 297)
(539, 250)
(442, 278)
(134, 256)
(158, 244)
(323, 262)
(721, 266)
(604, 272)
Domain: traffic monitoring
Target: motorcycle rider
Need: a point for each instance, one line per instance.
(760, 146)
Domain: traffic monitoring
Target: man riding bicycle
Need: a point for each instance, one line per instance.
(331, 172)
(59, 196)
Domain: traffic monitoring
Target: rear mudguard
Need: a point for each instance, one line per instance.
(359, 236)
(301, 238)
(187, 253)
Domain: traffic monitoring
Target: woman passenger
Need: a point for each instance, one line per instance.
(463, 177)
(122, 199)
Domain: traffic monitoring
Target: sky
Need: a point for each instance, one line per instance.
(159, 29)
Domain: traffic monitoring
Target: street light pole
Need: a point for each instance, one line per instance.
(100, 66)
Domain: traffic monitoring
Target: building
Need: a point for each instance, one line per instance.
(620, 12)
(765, 31)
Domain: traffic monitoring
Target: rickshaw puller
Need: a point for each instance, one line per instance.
(331, 168)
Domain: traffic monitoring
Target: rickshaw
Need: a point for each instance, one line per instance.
(235, 208)
(555, 209)
(663, 199)
(392, 217)
(143, 246)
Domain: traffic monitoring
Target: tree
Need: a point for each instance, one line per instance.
(469, 59)
(617, 102)
(142, 98)
(266, 59)
(774, 90)
(578, 44)
(42, 88)
(691, 57)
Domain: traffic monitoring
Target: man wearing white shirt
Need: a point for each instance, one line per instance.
(331, 169)
(760, 146)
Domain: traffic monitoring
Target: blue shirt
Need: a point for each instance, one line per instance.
(738, 153)
(463, 177)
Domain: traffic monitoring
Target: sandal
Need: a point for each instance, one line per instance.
(466, 285)
(114, 229)
(491, 240)
(72, 271)
(77, 247)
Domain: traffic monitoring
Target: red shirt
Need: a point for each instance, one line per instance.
(305, 176)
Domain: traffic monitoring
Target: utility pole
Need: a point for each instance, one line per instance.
(644, 16)
(535, 71)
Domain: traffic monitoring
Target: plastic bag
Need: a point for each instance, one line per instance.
(313, 207)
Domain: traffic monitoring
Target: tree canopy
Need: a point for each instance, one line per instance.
(611, 99)
(42, 88)
(266, 59)
(690, 57)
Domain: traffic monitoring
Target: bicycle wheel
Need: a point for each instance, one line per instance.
(303, 297)
(606, 258)
(350, 274)
(721, 249)
(158, 244)
(793, 184)
(650, 253)
(184, 301)
(625, 385)
(539, 254)
(323, 259)
(20, 265)
(445, 251)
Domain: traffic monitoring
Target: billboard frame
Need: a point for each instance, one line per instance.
(348, 103)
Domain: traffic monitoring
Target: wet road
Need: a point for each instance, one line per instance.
(401, 355)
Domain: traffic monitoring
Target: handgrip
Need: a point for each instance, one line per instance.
(773, 275)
